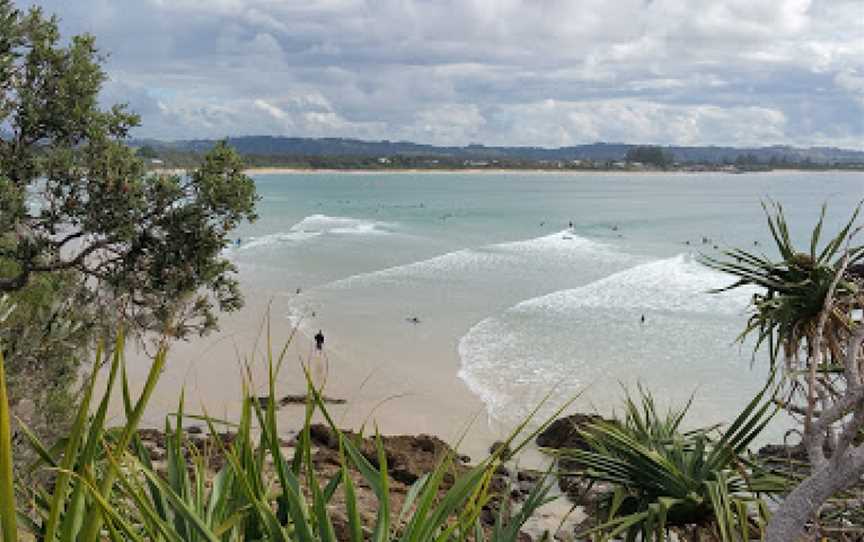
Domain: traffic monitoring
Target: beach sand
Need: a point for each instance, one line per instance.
(423, 396)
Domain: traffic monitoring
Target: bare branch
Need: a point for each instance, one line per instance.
(816, 431)
(849, 432)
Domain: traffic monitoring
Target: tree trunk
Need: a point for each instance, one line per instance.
(788, 523)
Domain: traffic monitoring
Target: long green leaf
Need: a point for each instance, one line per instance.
(8, 521)
(93, 520)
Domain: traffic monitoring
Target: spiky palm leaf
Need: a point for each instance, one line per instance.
(793, 289)
(664, 477)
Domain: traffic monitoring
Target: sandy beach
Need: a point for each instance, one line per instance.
(400, 398)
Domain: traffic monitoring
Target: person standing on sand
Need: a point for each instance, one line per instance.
(319, 340)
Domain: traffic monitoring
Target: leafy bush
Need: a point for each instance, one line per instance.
(663, 477)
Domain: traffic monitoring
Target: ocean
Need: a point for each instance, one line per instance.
(482, 275)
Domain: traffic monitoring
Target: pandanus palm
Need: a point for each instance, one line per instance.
(663, 477)
(794, 287)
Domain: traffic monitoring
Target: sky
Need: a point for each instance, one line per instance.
(499, 72)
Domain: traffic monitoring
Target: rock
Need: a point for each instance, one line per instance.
(156, 454)
(290, 399)
(194, 430)
(503, 448)
(564, 432)
(529, 476)
(323, 436)
(302, 399)
(408, 457)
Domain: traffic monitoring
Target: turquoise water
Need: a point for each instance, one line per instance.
(511, 297)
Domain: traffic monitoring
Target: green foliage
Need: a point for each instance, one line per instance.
(793, 289)
(43, 338)
(147, 152)
(8, 521)
(651, 155)
(106, 487)
(75, 198)
(663, 477)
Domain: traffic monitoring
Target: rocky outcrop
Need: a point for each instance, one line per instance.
(566, 433)
(408, 458)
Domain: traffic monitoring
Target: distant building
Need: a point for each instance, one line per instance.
(385, 160)
(476, 163)
(156, 162)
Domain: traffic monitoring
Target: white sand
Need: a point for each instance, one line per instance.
(423, 396)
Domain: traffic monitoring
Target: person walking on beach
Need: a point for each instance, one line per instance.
(319, 340)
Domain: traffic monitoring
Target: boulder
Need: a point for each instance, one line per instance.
(408, 456)
(502, 448)
(564, 432)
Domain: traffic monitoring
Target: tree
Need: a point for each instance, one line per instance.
(809, 312)
(147, 152)
(74, 198)
(650, 155)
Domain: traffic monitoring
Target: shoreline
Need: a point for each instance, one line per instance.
(498, 171)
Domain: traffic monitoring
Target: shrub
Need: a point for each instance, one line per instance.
(663, 477)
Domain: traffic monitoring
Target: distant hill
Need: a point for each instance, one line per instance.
(330, 147)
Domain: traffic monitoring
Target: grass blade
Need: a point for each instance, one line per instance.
(8, 517)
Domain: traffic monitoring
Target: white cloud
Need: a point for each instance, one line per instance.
(554, 123)
(452, 71)
(853, 83)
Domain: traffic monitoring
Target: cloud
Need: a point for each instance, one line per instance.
(853, 83)
(554, 123)
(534, 72)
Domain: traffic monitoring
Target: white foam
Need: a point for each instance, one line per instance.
(277, 238)
(501, 350)
(678, 284)
(561, 247)
(317, 225)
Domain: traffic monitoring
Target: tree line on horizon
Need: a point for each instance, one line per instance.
(344, 153)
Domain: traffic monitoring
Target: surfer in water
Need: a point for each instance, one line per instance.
(319, 340)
